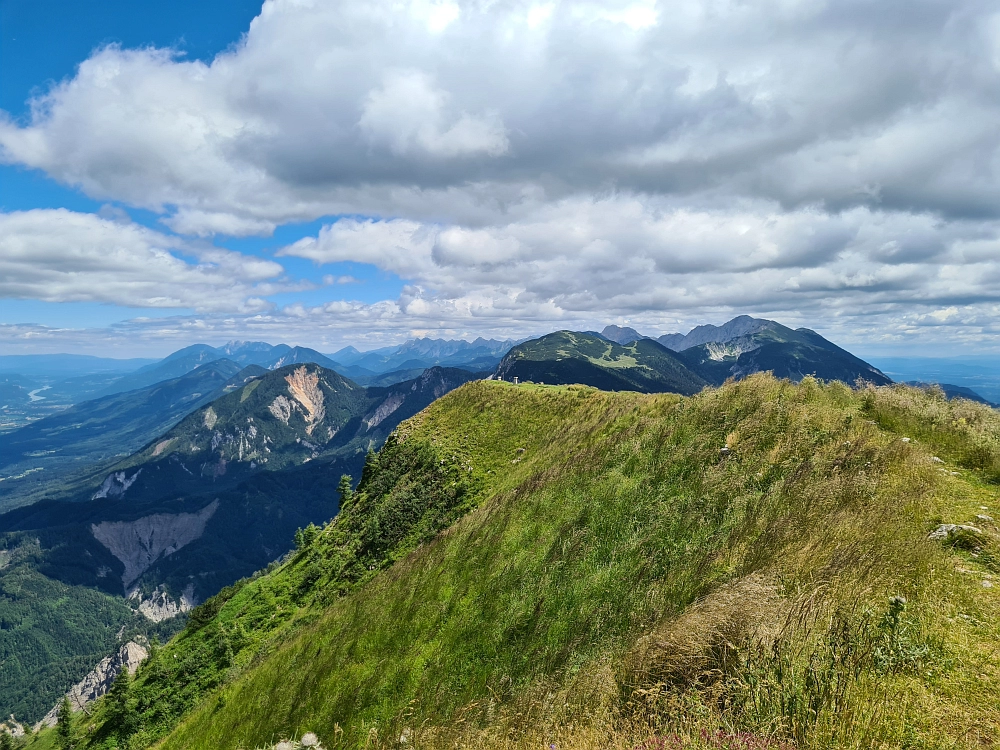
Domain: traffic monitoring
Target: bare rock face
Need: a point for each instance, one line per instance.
(12, 727)
(115, 485)
(140, 543)
(384, 410)
(160, 606)
(98, 681)
(304, 388)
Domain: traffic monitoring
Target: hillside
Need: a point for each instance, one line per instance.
(215, 498)
(53, 454)
(525, 566)
(746, 345)
(567, 357)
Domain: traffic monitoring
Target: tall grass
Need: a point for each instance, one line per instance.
(619, 580)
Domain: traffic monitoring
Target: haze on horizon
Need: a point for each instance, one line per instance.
(363, 172)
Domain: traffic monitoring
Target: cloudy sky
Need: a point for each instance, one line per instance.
(328, 172)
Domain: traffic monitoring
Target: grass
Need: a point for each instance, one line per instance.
(529, 566)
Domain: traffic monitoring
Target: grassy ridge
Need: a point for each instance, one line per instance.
(619, 577)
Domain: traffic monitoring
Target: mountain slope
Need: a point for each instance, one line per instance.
(195, 510)
(588, 358)
(220, 494)
(481, 354)
(746, 345)
(244, 353)
(614, 579)
(55, 452)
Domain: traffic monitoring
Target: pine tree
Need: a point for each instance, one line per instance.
(118, 706)
(64, 725)
(346, 493)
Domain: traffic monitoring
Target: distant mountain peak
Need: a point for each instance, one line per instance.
(621, 334)
(741, 325)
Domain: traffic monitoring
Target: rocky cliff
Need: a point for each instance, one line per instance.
(99, 680)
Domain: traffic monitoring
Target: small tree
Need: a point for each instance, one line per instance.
(6, 741)
(118, 706)
(346, 493)
(64, 725)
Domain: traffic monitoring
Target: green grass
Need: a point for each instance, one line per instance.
(526, 563)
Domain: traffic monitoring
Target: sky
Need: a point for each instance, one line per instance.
(365, 171)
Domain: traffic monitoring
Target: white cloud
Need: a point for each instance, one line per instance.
(57, 255)
(341, 108)
(407, 114)
(619, 256)
(564, 162)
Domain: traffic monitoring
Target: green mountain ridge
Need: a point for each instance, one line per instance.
(527, 565)
(567, 357)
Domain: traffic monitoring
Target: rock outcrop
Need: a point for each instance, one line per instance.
(160, 606)
(140, 543)
(12, 727)
(304, 387)
(99, 680)
(115, 485)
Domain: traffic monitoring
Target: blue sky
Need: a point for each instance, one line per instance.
(361, 172)
(42, 42)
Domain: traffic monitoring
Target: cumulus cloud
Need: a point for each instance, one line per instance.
(328, 108)
(568, 161)
(585, 260)
(63, 256)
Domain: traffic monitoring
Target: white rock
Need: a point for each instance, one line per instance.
(987, 584)
(984, 518)
(936, 460)
(906, 440)
(309, 740)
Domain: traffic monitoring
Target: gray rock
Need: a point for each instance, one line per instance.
(98, 681)
(945, 530)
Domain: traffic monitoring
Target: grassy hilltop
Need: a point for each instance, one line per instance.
(526, 566)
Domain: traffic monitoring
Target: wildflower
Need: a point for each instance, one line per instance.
(309, 739)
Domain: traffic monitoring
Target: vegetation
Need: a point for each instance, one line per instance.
(64, 725)
(521, 565)
(573, 357)
(772, 347)
(54, 590)
(52, 634)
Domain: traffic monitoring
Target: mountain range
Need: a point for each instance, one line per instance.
(202, 471)
(747, 345)
(71, 445)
